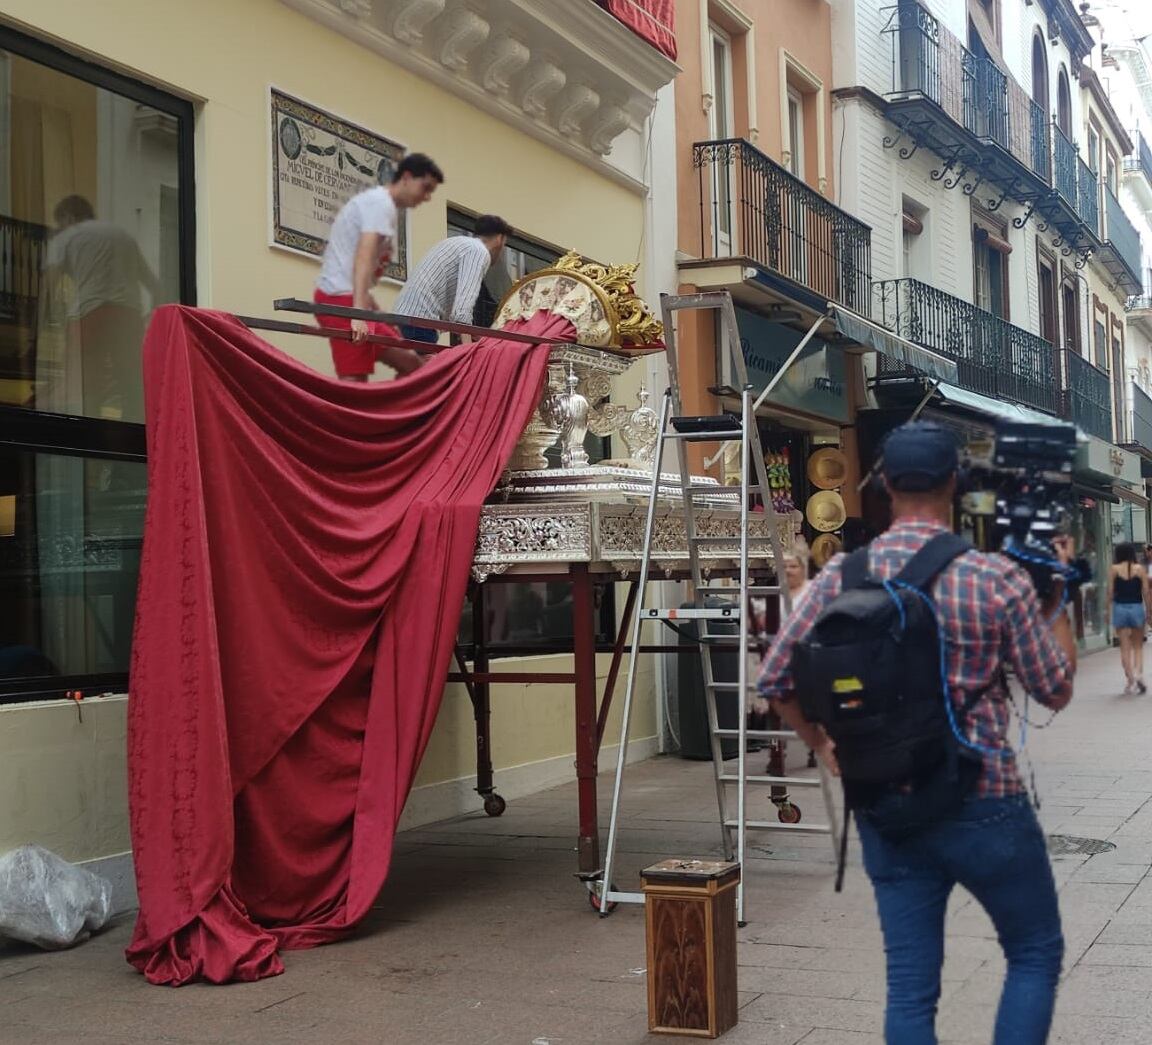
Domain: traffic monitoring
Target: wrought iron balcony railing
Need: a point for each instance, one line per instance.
(22, 247)
(1088, 197)
(752, 207)
(986, 99)
(1139, 302)
(992, 356)
(1140, 162)
(1039, 142)
(1121, 235)
(1064, 160)
(1087, 396)
(1141, 417)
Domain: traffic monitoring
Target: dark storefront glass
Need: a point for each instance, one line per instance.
(70, 536)
(96, 231)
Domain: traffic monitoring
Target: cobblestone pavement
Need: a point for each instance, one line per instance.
(483, 935)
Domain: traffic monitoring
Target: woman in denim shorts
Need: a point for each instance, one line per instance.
(1128, 592)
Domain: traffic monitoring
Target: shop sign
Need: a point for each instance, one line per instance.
(814, 384)
(319, 162)
(1109, 461)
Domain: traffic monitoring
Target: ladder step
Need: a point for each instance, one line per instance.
(688, 424)
(731, 613)
(734, 539)
(775, 825)
(753, 589)
(759, 734)
(783, 781)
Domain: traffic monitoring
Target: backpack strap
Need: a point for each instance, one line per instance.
(854, 569)
(931, 560)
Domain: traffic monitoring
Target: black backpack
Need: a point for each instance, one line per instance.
(870, 672)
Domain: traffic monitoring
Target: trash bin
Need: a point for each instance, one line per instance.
(693, 712)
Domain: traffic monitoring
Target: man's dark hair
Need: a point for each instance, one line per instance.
(492, 225)
(419, 166)
(76, 208)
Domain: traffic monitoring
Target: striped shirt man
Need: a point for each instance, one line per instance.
(446, 283)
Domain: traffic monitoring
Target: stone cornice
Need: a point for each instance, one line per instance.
(567, 73)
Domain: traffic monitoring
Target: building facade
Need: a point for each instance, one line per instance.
(210, 181)
(974, 141)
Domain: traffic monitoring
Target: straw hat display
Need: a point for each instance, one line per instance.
(824, 547)
(825, 511)
(827, 468)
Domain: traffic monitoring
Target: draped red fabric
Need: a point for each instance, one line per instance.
(306, 553)
(652, 20)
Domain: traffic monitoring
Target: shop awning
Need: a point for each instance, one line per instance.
(997, 408)
(1131, 496)
(875, 338)
(1099, 493)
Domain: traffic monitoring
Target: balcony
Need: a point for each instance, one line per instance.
(751, 207)
(961, 106)
(1137, 169)
(1138, 311)
(1141, 417)
(1087, 396)
(1064, 159)
(985, 128)
(1121, 254)
(1088, 197)
(992, 356)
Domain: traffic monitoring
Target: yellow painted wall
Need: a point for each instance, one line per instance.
(224, 55)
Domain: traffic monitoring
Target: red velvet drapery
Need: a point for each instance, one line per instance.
(652, 20)
(306, 552)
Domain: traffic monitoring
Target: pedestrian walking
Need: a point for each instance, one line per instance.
(1128, 594)
(945, 806)
(361, 242)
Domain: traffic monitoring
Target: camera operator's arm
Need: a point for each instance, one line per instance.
(1037, 641)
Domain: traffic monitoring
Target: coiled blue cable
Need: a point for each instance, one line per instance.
(890, 586)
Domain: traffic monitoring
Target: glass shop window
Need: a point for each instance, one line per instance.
(96, 231)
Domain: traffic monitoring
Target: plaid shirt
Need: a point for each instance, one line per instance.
(989, 615)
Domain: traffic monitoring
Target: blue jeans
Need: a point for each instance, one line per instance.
(995, 849)
(419, 334)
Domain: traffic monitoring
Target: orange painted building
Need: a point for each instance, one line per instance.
(756, 186)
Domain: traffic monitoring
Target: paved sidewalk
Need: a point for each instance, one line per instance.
(483, 935)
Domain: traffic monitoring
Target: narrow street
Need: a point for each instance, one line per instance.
(483, 935)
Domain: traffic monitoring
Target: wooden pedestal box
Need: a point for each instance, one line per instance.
(690, 922)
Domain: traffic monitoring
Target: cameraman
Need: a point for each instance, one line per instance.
(989, 615)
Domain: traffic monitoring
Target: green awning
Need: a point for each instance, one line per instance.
(875, 338)
(998, 408)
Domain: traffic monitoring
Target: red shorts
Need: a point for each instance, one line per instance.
(351, 359)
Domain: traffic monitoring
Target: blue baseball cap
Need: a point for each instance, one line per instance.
(919, 456)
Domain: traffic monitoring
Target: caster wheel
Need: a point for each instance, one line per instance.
(594, 898)
(787, 813)
(494, 805)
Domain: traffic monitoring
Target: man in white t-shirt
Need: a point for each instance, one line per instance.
(105, 272)
(361, 242)
(446, 283)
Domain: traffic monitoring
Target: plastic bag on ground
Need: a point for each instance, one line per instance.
(46, 901)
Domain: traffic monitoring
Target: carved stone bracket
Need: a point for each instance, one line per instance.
(565, 71)
(503, 59)
(411, 19)
(464, 31)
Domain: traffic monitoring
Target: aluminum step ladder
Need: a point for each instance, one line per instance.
(715, 606)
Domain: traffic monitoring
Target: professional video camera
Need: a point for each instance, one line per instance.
(1032, 463)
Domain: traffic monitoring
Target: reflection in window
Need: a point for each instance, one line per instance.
(70, 537)
(89, 240)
